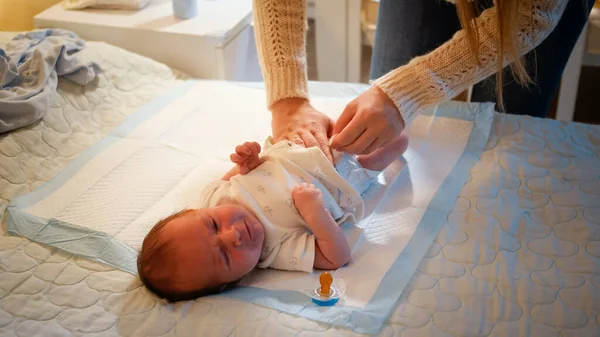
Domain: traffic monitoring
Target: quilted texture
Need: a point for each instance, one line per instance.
(519, 255)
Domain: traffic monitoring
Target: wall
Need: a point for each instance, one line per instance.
(17, 15)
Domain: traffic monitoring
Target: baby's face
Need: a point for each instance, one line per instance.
(219, 245)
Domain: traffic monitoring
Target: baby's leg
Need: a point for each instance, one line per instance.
(381, 158)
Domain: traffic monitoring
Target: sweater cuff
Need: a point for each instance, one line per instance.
(286, 82)
(408, 89)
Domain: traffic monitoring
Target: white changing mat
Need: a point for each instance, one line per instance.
(102, 205)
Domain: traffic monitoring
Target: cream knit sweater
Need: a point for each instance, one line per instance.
(426, 80)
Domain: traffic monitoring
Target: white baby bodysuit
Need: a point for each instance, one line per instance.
(267, 190)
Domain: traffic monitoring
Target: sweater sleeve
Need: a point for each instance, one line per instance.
(450, 69)
(280, 31)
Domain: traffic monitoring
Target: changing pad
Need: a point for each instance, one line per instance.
(517, 256)
(102, 205)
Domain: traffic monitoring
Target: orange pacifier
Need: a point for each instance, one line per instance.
(329, 292)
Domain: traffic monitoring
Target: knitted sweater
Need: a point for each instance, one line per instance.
(427, 80)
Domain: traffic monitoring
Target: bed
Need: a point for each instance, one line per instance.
(518, 255)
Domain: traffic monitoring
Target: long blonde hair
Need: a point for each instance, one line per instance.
(507, 13)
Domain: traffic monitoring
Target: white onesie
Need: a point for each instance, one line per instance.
(267, 190)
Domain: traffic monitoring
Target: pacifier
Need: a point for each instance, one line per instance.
(329, 292)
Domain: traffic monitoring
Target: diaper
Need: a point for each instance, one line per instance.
(350, 169)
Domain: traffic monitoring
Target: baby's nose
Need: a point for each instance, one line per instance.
(232, 237)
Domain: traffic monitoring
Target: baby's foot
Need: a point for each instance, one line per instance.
(381, 158)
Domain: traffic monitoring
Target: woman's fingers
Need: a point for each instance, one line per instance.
(377, 143)
(346, 138)
(345, 118)
(323, 143)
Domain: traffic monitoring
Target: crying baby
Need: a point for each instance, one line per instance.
(280, 208)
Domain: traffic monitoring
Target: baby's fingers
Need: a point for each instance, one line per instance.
(254, 146)
(243, 150)
(236, 158)
(248, 148)
(313, 189)
(300, 187)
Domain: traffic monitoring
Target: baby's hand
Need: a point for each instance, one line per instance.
(246, 157)
(307, 198)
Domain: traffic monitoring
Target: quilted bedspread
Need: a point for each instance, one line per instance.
(519, 255)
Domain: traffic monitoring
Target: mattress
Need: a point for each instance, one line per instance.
(519, 254)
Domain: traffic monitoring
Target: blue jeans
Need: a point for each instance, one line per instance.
(410, 28)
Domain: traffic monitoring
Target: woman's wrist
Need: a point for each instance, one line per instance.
(387, 97)
(389, 102)
(288, 105)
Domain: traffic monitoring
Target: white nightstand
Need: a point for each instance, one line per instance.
(217, 44)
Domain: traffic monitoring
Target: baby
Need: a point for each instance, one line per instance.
(281, 209)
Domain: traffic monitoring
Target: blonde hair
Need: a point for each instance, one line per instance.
(507, 44)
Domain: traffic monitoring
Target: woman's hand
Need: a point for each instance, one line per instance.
(368, 122)
(296, 120)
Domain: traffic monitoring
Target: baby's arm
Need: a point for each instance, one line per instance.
(246, 159)
(332, 250)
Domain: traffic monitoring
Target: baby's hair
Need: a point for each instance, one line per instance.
(151, 254)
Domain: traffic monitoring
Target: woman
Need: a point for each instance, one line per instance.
(488, 42)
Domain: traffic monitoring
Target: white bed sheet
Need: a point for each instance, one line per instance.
(518, 256)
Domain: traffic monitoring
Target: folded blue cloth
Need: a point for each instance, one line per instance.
(29, 69)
